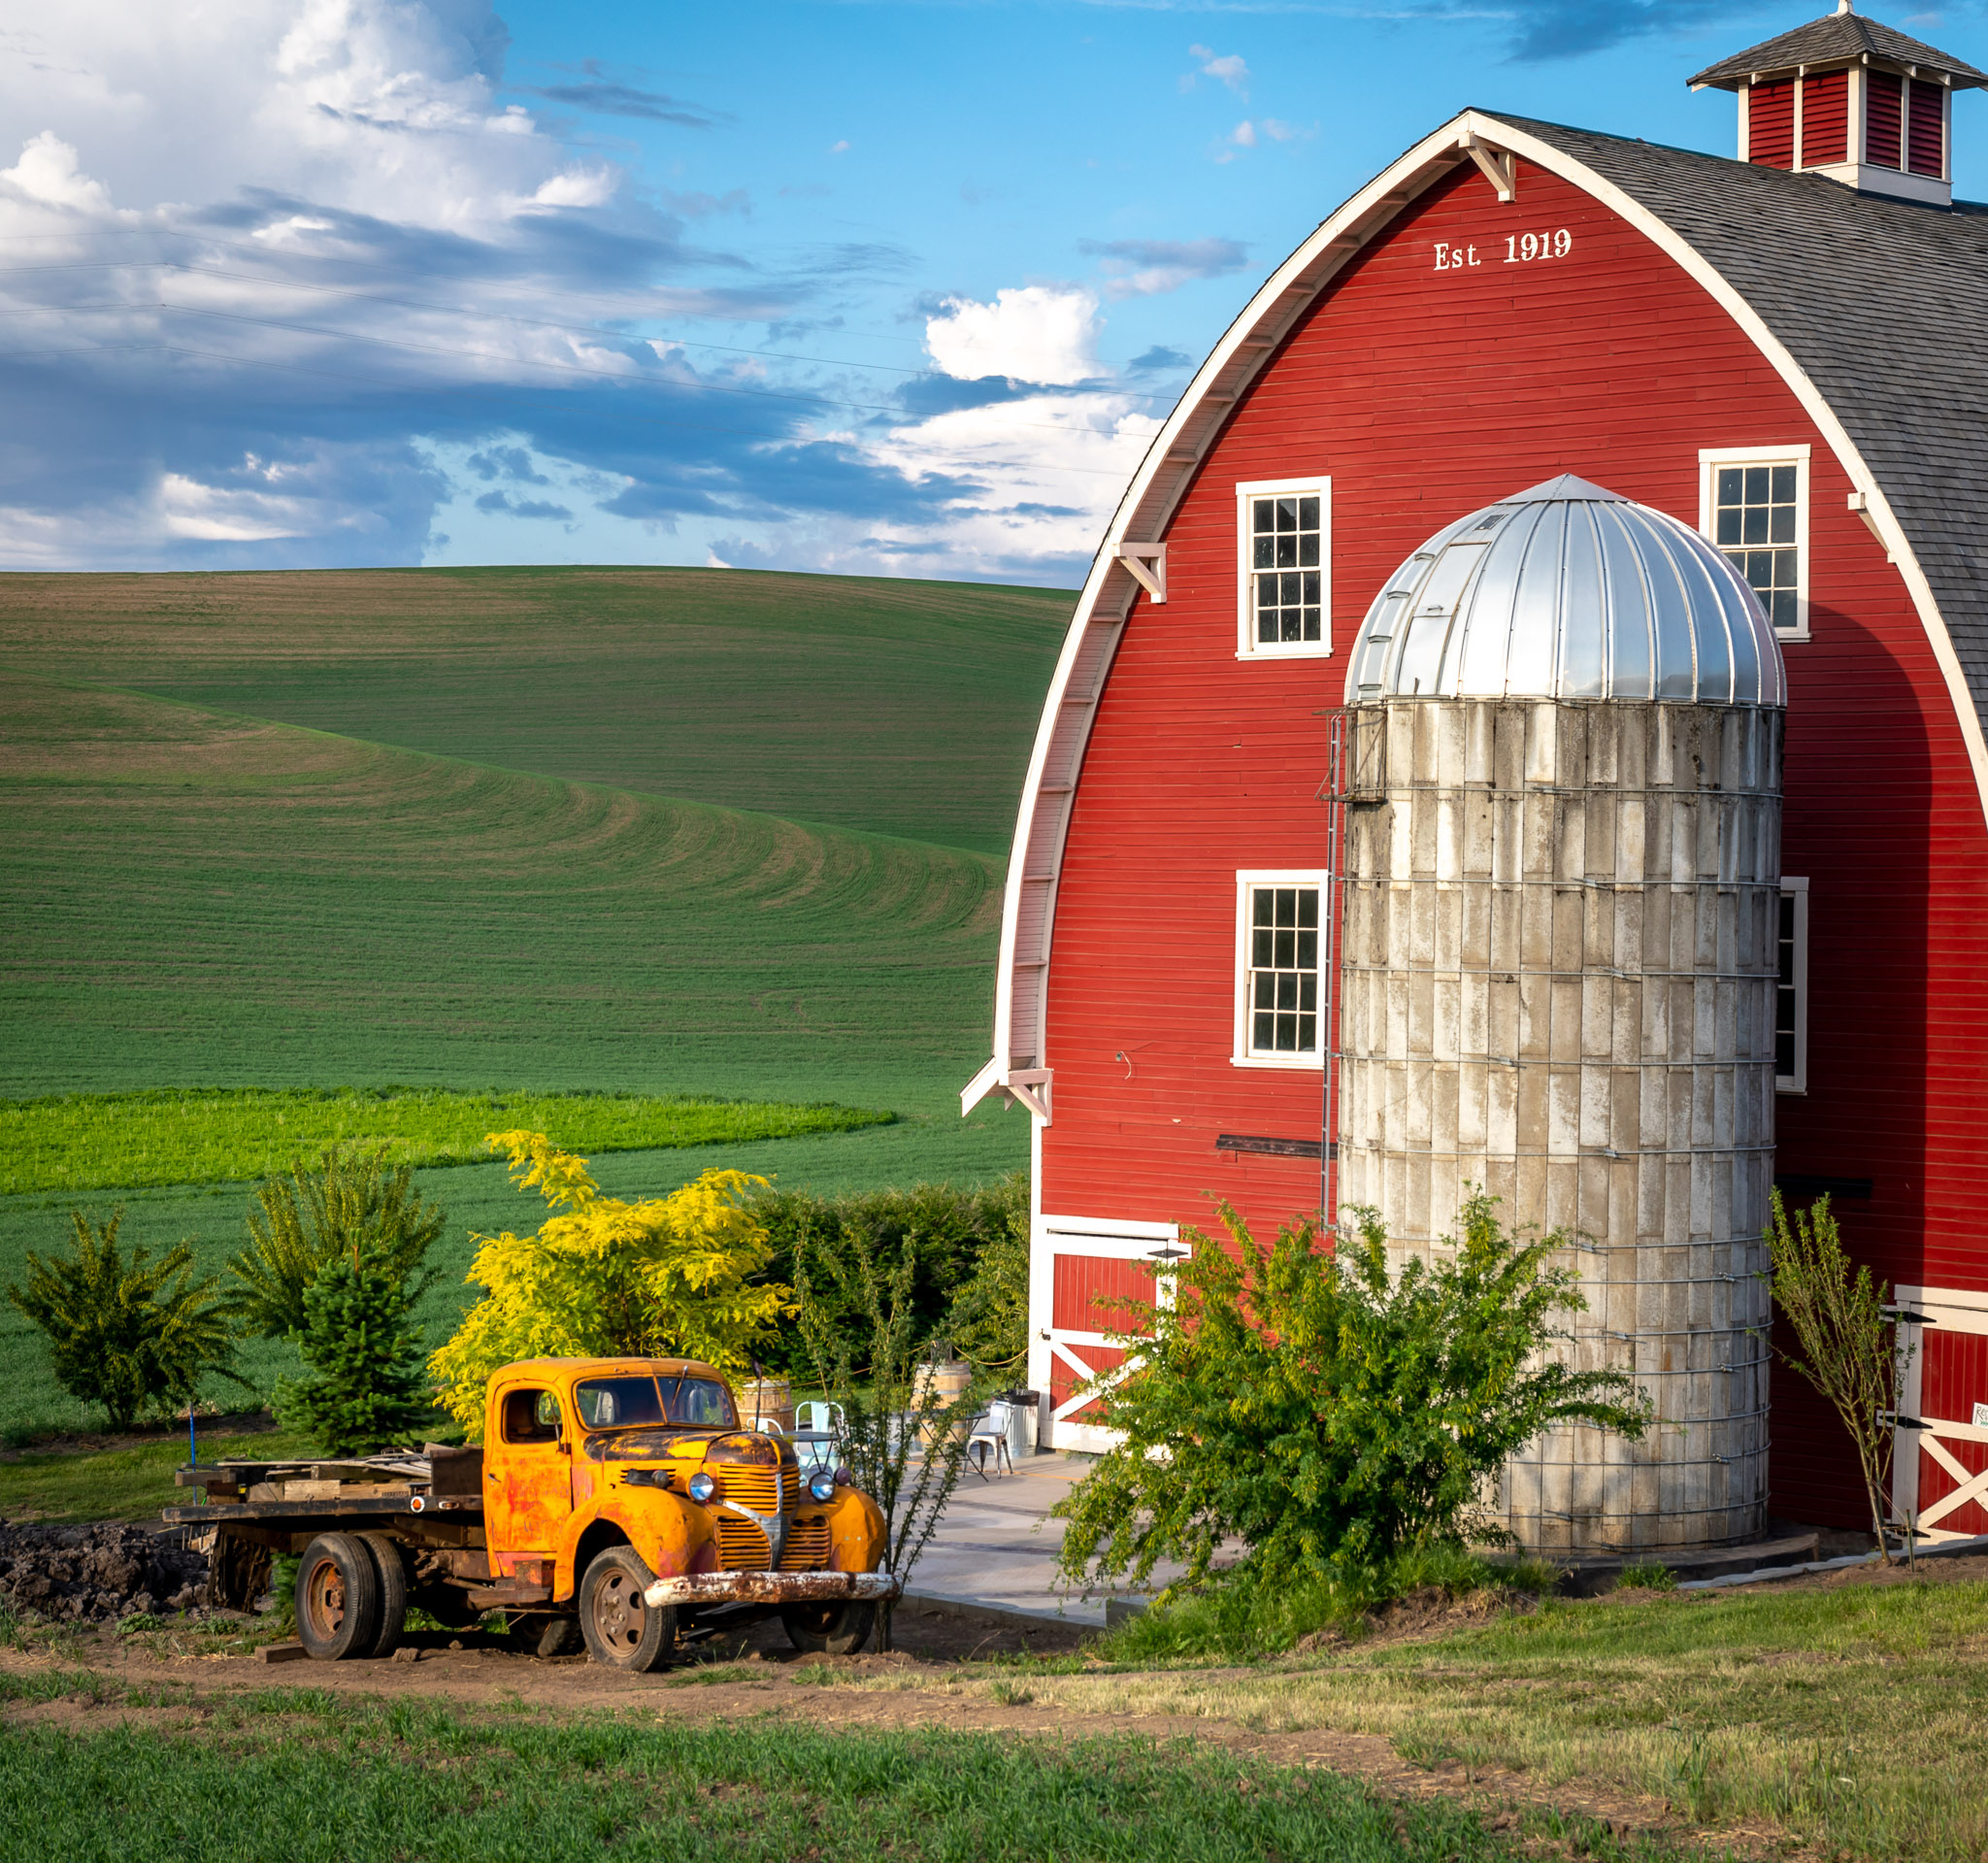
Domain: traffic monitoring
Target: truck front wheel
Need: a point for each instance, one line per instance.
(620, 1629)
(337, 1598)
(830, 1629)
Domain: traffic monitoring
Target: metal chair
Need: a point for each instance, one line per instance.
(990, 1428)
(817, 1415)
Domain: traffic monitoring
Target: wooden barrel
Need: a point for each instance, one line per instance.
(766, 1400)
(942, 1383)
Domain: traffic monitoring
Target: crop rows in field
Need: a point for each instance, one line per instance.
(195, 1135)
(895, 706)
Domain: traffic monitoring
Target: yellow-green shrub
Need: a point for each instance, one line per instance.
(666, 1278)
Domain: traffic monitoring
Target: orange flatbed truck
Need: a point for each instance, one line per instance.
(620, 1494)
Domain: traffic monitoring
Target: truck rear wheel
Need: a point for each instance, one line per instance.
(338, 1597)
(620, 1630)
(393, 1591)
(836, 1629)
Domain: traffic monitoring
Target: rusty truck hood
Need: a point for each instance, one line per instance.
(736, 1448)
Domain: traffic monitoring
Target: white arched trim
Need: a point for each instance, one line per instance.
(1034, 860)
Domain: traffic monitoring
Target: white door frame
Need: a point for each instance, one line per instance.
(1952, 1309)
(1091, 1239)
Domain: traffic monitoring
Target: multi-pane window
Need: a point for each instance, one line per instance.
(1755, 507)
(1790, 990)
(1283, 559)
(1281, 981)
(1286, 572)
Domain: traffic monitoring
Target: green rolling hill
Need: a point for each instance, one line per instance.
(663, 832)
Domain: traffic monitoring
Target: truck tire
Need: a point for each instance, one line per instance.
(836, 1629)
(393, 1591)
(338, 1597)
(620, 1630)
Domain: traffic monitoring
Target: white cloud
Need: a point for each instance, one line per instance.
(1045, 333)
(1146, 267)
(1228, 69)
(840, 149)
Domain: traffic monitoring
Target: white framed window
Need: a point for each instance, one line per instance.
(1791, 992)
(1279, 977)
(1753, 508)
(1283, 535)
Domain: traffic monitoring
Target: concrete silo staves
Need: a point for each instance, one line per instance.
(1561, 873)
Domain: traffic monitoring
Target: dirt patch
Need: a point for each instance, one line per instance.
(1419, 1615)
(96, 1574)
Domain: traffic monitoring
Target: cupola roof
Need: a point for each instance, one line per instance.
(1838, 38)
(1567, 591)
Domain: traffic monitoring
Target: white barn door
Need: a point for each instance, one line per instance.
(1075, 1262)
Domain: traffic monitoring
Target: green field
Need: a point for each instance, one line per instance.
(300, 1773)
(481, 830)
(201, 1135)
(898, 707)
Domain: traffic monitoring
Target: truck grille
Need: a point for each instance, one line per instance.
(807, 1549)
(764, 1490)
(742, 1546)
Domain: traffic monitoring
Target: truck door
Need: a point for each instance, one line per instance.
(528, 1478)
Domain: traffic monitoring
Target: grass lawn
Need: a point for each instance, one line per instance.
(130, 1483)
(296, 1772)
(194, 1134)
(1854, 1716)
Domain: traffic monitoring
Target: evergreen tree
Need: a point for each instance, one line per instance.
(367, 1392)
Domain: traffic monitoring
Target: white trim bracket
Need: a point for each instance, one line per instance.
(1861, 505)
(1028, 1088)
(1147, 563)
(1499, 166)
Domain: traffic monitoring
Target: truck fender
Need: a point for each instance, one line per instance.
(666, 1530)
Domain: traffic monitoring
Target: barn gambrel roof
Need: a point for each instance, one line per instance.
(1872, 310)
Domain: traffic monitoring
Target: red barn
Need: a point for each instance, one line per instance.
(1788, 352)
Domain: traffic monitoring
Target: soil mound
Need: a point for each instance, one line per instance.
(93, 1574)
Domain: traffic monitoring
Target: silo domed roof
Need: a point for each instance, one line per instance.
(1567, 591)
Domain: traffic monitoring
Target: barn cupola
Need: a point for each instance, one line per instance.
(1850, 98)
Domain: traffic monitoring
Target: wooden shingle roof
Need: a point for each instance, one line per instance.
(1833, 40)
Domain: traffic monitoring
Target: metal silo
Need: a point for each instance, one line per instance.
(1557, 977)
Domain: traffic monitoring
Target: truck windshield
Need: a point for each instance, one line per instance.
(618, 1403)
(702, 1403)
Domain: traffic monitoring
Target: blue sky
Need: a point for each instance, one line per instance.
(882, 288)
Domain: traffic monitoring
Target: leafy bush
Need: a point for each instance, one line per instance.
(1844, 1331)
(368, 1391)
(1324, 1414)
(949, 1232)
(348, 1200)
(664, 1278)
(130, 1334)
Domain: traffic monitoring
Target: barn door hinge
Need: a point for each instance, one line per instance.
(1147, 563)
(1500, 165)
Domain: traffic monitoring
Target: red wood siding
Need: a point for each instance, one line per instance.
(1426, 394)
(1926, 133)
(1083, 1281)
(1883, 116)
(1825, 119)
(1953, 1378)
(1063, 1381)
(1771, 123)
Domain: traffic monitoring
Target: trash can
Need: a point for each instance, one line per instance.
(1021, 1406)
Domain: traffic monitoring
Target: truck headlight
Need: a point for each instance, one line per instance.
(702, 1486)
(821, 1484)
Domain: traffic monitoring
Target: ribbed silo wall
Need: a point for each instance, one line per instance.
(1558, 978)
